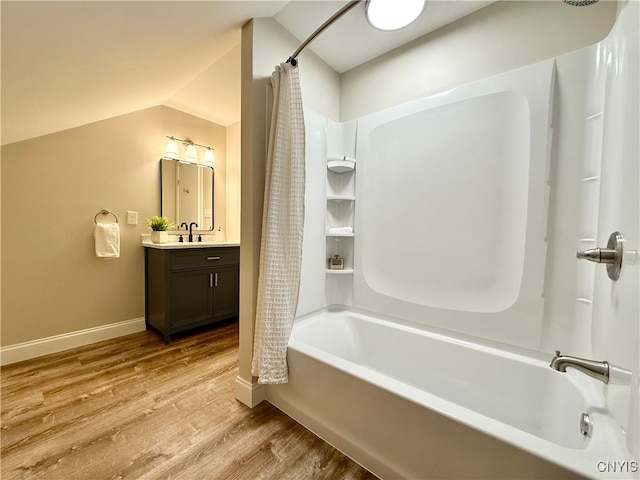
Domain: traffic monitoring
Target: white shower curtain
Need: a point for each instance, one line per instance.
(282, 229)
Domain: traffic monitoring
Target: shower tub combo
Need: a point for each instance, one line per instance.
(448, 379)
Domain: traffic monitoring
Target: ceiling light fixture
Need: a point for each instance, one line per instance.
(172, 151)
(391, 15)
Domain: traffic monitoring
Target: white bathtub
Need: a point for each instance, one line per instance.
(409, 403)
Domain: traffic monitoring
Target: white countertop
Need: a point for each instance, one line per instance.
(175, 245)
(185, 245)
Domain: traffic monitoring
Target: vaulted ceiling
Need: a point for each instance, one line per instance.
(65, 64)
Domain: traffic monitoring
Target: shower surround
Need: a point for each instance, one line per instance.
(469, 207)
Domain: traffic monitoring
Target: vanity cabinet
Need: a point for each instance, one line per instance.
(188, 288)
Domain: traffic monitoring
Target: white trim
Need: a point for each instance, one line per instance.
(251, 394)
(58, 343)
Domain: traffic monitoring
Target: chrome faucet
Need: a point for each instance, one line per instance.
(599, 370)
(191, 230)
(603, 371)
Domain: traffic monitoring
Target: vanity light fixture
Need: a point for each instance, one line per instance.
(172, 151)
(391, 15)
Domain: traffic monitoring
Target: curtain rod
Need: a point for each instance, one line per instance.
(352, 3)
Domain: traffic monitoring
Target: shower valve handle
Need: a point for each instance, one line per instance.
(610, 256)
(598, 255)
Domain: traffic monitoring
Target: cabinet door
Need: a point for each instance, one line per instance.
(191, 297)
(226, 292)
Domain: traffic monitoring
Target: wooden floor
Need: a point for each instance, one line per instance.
(134, 408)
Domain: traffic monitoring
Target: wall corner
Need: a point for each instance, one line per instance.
(251, 394)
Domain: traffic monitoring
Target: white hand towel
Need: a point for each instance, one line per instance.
(107, 236)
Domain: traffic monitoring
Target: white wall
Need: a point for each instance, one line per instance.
(312, 281)
(450, 205)
(500, 37)
(616, 305)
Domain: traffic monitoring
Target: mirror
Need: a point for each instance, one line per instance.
(186, 193)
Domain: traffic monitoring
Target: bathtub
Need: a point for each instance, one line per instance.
(406, 402)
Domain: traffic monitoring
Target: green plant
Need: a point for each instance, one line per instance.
(160, 224)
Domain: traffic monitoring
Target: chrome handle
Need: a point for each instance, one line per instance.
(610, 256)
(211, 280)
(215, 283)
(213, 258)
(586, 425)
(598, 255)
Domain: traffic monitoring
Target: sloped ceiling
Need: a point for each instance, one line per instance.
(65, 64)
(351, 41)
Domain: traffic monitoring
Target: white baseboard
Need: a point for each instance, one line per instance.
(58, 343)
(251, 394)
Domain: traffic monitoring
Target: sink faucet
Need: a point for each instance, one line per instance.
(186, 227)
(603, 371)
(191, 231)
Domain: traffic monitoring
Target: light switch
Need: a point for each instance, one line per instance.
(132, 218)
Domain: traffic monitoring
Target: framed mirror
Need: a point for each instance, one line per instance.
(186, 193)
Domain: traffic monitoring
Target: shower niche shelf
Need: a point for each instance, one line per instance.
(341, 198)
(346, 271)
(341, 164)
(342, 246)
(340, 213)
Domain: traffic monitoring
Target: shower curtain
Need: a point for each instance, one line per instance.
(282, 229)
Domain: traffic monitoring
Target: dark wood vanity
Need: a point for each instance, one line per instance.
(187, 288)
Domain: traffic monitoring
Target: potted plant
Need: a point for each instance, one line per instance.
(159, 227)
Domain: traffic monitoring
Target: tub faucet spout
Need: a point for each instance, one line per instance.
(598, 370)
(603, 371)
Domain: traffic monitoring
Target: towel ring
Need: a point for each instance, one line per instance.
(104, 212)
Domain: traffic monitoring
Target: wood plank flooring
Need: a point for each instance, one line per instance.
(135, 408)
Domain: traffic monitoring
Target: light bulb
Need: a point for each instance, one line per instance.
(392, 14)
(172, 151)
(192, 155)
(209, 158)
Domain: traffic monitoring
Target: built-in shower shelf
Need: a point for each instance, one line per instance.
(347, 198)
(340, 215)
(341, 164)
